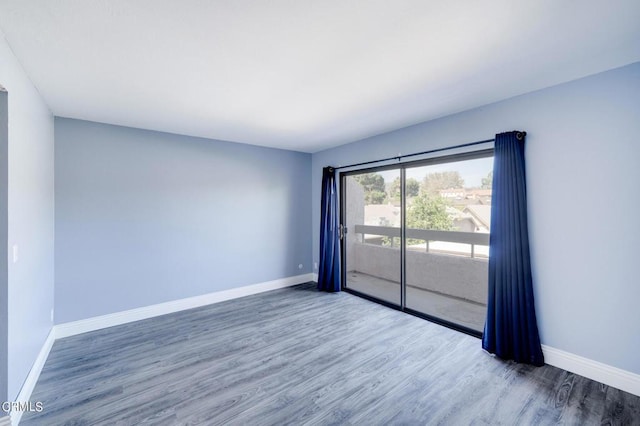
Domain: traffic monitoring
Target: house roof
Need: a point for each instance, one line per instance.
(481, 212)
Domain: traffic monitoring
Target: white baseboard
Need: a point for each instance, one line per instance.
(594, 370)
(315, 277)
(123, 317)
(32, 378)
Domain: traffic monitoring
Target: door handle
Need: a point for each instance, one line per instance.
(343, 231)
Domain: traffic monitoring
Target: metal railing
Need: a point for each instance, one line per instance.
(427, 235)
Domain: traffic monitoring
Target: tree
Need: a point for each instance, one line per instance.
(412, 190)
(412, 187)
(394, 189)
(429, 212)
(434, 182)
(488, 181)
(374, 187)
(375, 197)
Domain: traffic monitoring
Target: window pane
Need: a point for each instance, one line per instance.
(448, 224)
(372, 243)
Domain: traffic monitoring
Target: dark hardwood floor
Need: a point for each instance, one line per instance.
(297, 356)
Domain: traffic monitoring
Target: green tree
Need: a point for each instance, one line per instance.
(375, 197)
(488, 181)
(429, 212)
(425, 212)
(374, 187)
(434, 182)
(413, 188)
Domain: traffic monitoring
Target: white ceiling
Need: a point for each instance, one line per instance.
(306, 74)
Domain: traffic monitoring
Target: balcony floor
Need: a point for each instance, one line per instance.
(468, 314)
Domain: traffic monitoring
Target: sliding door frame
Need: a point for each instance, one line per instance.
(402, 166)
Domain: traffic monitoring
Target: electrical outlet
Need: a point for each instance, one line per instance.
(15, 253)
(315, 265)
(51, 314)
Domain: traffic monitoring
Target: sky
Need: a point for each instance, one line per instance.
(472, 171)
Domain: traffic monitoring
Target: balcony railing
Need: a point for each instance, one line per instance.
(447, 281)
(428, 236)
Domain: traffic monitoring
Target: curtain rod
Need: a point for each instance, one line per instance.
(400, 157)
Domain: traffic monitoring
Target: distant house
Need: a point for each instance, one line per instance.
(478, 193)
(382, 215)
(455, 193)
(481, 215)
(463, 221)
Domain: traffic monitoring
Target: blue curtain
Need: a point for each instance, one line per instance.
(329, 268)
(511, 330)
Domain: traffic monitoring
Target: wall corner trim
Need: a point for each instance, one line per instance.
(603, 373)
(32, 378)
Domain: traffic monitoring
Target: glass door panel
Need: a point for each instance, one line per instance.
(371, 245)
(448, 211)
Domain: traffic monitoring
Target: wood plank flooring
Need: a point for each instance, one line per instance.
(297, 356)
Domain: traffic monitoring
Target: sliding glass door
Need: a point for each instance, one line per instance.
(417, 237)
(371, 245)
(447, 243)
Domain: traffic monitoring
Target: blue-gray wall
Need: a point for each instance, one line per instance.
(146, 217)
(582, 179)
(30, 219)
